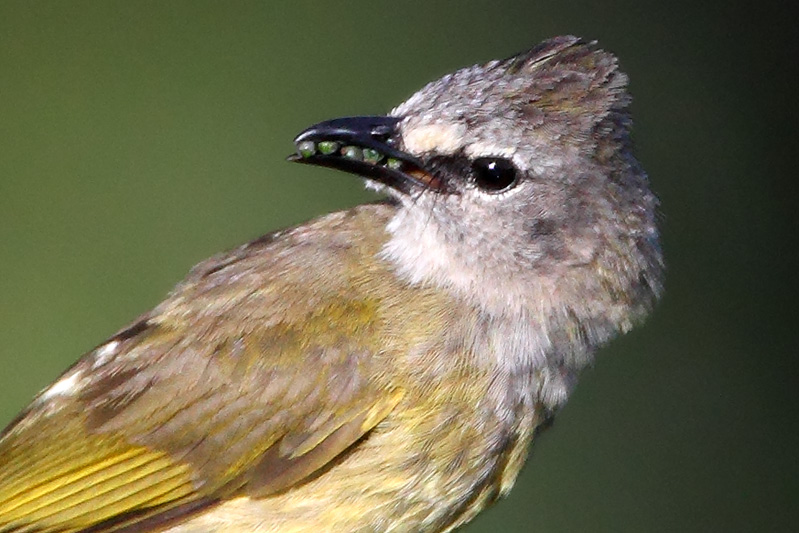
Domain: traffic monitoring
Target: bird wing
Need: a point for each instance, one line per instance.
(182, 410)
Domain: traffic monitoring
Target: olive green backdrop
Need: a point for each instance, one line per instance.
(137, 138)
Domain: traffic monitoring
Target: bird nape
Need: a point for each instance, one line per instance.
(382, 368)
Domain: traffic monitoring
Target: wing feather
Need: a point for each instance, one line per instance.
(252, 376)
(117, 456)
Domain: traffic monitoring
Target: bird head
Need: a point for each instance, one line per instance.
(515, 183)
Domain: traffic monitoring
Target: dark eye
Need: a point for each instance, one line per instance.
(494, 174)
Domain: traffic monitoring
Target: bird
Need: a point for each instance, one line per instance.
(384, 368)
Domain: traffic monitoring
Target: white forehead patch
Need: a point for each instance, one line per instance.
(440, 138)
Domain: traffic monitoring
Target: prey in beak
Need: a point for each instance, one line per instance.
(366, 146)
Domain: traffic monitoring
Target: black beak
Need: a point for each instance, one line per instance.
(365, 146)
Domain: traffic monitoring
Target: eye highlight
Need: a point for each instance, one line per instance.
(494, 174)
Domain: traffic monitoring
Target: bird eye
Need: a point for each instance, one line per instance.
(494, 174)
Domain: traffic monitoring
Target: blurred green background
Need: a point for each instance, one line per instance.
(138, 137)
